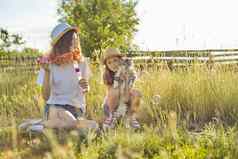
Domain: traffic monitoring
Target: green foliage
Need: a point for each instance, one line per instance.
(25, 52)
(102, 23)
(7, 39)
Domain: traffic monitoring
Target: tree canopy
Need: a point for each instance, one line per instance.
(102, 23)
(7, 39)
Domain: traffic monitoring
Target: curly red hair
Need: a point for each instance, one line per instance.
(65, 58)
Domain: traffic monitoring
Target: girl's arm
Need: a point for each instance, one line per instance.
(46, 85)
(86, 74)
(44, 76)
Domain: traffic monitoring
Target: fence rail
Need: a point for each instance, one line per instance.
(220, 57)
(171, 59)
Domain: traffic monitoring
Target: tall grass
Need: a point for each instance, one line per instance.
(203, 99)
(198, 95)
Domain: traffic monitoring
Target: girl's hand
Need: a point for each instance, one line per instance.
(124, 76)
(84, 84)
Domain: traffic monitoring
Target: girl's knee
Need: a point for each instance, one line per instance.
(111, 103)
(112, 97)
(114, 92)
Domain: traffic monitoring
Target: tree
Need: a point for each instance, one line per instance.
(4, 39)
(7, 39)
(102, 23)
(17, 39)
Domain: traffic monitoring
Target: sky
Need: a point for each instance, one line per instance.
(164, 24)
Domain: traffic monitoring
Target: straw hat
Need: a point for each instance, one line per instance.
(111, 52)
(59, 31)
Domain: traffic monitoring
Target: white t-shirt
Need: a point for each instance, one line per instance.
(64, 82)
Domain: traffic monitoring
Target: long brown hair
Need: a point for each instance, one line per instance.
(67, 43)
(108, 76)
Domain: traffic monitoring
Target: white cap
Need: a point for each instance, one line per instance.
(59, 31)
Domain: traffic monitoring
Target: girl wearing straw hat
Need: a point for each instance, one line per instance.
(64, 77)
(114, 61)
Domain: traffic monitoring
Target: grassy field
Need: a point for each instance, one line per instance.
(195, 118)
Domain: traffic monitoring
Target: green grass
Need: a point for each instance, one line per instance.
(204, 100)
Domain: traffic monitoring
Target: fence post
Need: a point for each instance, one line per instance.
(170, 65)
(210, 62)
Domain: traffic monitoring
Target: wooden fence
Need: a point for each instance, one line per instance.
(18, 64)
(187, 58)
(171, 59)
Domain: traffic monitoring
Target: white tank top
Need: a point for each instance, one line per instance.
(65, 88)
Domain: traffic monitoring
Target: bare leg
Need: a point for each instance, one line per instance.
(135, 98)
(112, 102)
(134, 104)
(112, 99)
